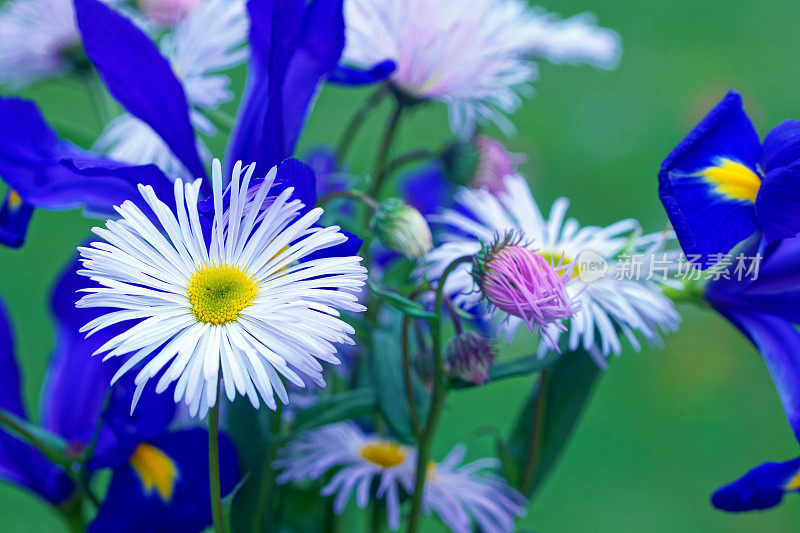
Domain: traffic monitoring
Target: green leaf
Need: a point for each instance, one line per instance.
(33, 434)
(387, 372)
(548, 419)
(520, 366)
(401, 303)
(335, 408)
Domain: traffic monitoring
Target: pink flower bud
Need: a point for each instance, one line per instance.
(522, 283)
(168, 12)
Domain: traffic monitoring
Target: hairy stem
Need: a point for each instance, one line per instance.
(352, 128)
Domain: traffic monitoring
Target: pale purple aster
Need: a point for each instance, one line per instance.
(474, 55)
(470, 495)
(358, 460)
(168, 12)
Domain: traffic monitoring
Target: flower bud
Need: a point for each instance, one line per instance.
(167, 12)
(522, 283)
(482, 163)
(469, 356)
(402, 228)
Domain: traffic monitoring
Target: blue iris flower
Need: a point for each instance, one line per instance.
(294, 47)
(160, 474)
(721, 184)
(765, 309)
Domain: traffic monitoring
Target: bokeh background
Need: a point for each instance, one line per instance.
(666, 426)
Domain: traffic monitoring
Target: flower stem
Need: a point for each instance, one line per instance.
(213, 467)
(381, 169)
(8, 420)
(409, 390)
(357, 121)
(371, 203)
(437, 401)
(265, 508)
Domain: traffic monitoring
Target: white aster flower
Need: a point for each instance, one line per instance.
(607, 303)
(36, 38)
(232, 300)
(461, 495)
(474, 55)
(360, 459)
(207, 42)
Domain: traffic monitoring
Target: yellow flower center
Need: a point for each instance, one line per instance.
(385, 454)
(218, 293)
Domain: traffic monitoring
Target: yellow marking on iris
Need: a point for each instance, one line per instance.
(793, 483)
(14, 199)
(385, 454)
(218, 293)
(156, 470)
(732, 179)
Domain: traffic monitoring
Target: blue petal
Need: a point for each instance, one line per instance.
(15, 215)
(779, 344)
(294, 173)
(139, 77)
(129, 508)
(344, 75)
(427, 189)
(318, 52)
(778, 203)
(19, 463)
(709, 181)
(77, 383)
(781, 146)
(50, 173)
(761, 488)
(259, 134)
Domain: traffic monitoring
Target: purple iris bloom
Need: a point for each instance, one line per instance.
(294, 47)
(765, 309)
(160, 473)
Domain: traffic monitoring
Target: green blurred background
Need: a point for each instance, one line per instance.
(666, 426)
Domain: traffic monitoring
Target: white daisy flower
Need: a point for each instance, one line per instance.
(208, 41)
(461, 495)
(606, 303)
(360, 459)
(474, 55)
(232, 300)
(36, 40)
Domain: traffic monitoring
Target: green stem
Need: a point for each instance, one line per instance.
(213, 467)
(412, 404)
(408, 158)
(357, 121)
(380, 171)
(437, 401)
(8, 420)
(221, 119)
(72, 513)
(376, 518)
(535, 444)
(369, 202)
(264, 510)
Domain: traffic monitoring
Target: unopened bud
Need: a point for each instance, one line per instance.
(482, 163)
(167, 12)
(469, 356)
(522, 283)
(402, 228)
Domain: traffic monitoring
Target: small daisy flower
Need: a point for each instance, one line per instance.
(37, 40)
(471, 54)
(234, 300)
(208, 41)
(360, 460)
(467, 494)
(606, 304)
